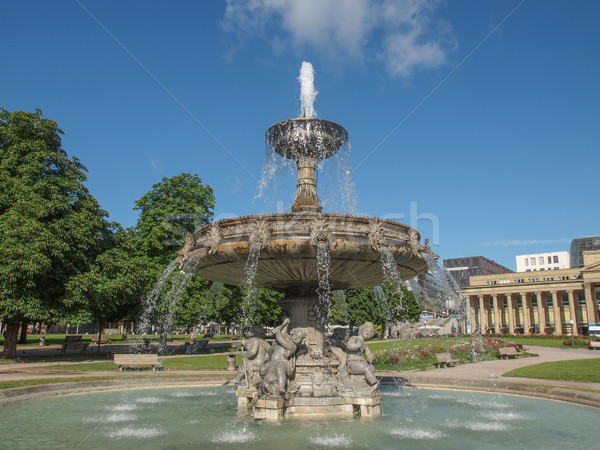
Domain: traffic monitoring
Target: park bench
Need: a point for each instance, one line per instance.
(103, 340)
(595, 345)
(445, 360)
(73, 342)
(136, 360)
(507, 352)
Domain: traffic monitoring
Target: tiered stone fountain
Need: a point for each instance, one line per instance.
(305, 373)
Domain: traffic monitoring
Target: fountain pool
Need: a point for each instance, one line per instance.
(200, 417)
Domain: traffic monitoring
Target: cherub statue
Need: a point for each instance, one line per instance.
(280, 367)
(357, 347)
(255, 354)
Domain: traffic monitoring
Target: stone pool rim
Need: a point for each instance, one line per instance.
(45, 391)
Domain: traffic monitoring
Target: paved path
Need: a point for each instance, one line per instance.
(482, 371)
(492, 370)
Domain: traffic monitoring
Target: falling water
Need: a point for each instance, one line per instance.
(324, 289)
(414, 286)
(390, 271)
(251, 299)
(308, 93)
(151, 299)
(442, 294)
(383, 305)
(163, 298)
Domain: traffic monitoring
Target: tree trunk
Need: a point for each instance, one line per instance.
(10, 339)
(23, 337)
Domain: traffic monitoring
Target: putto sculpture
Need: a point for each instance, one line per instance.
(305, 254)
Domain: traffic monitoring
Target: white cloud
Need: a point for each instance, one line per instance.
(404, 35)
(158, 165)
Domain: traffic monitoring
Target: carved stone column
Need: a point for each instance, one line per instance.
(526, 313)
(496, 313)
(306, 187)
(573, 312)
(511, 314)
(557, 316)
(541, 311)
(482, 314)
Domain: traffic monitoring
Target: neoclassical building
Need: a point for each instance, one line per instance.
(542, 302)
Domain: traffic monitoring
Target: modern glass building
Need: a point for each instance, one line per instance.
(579, 245)
(463, 268)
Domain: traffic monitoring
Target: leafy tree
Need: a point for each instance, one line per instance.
(362, 306)
(338, 313)
(174, 207)
(114, 284)
(269, 312)
(51, 227)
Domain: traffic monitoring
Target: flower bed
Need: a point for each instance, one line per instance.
(423, 356)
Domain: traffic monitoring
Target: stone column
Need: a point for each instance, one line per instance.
(482, 314)
(511, 314)
(496, 313)
(573, 312)
(541, 311)
(590, 303)
(557, 317)
(526, 315)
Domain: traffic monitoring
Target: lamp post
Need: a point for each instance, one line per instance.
(572, 332)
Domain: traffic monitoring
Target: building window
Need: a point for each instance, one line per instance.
(532, 260)
(565, 300)
(549, 259)
(526, 261)
(541, 260)
(555, 257)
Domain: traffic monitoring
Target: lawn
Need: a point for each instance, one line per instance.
(586, 370)
(208, 362)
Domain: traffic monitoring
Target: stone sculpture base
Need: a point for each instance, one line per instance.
(279, 407)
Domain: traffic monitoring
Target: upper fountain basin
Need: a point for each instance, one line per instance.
(288, 250)
(306, 138)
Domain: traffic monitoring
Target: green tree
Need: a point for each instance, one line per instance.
(338, 313)
(112, 287)
(174, 207)
(362, 306)
(51, 227)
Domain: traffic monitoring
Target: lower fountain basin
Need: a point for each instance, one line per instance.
(288, 250)
(188, 417)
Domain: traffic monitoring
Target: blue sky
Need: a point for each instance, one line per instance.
(476, 120)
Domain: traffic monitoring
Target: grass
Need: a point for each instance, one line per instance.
(209, 362)
(39, 381)
(586, 370)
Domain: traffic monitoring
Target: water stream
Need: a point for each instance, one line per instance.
(159, 305)
(324, 289)
(251, 298)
